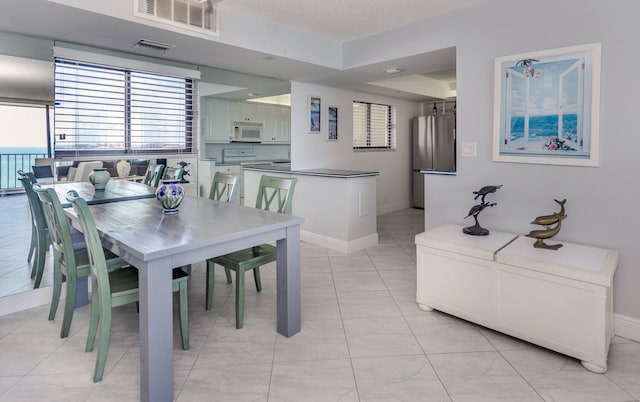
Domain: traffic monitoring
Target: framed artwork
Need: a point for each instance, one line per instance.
(332, 123)
(546, 106)
(314, 114)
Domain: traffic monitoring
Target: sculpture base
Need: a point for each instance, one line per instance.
(475, 230)
(541, 244)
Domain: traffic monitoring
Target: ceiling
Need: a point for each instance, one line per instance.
(336, 20)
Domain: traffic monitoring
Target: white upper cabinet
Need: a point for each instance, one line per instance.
(216, 120)
(247, 112)
(277, 125)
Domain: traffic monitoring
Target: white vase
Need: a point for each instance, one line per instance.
(123, 168)
(99, 178)
(170, 194)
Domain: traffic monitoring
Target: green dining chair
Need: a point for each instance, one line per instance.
(224, 187)
(39, 232)
(116, 288)
(154, 175)
(173, 174)
(271, 189)
(70, 258)
(34, 231)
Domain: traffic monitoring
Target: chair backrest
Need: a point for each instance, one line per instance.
(173, 173)
(97, 261)
(37, 215)
(156, 176)
(224, 187)
(43, 167)
(276, 189)
(29, 175)
(59, 230)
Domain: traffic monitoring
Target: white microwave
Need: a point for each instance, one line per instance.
(247, 132)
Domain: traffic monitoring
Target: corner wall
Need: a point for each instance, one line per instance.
(310, 151)
(602, 202)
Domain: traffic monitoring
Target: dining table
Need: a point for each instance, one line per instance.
(155, 243)
(116, 190)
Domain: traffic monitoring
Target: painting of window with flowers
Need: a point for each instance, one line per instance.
(546, 107)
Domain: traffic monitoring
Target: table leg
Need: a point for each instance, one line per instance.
(156, 332)
(288, 280)
(82, 291)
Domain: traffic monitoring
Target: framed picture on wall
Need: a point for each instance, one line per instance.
(547, 105)
(314, 114)
(332, 123)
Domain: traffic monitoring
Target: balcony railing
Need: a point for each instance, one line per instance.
(9, 166)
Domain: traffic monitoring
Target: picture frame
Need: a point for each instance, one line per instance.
(314, 108)
(332, 123)
(547, 106)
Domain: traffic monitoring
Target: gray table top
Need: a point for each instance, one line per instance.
(140, 228)
(115, 191)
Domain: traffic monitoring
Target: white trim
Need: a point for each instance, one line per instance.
(626, 327)
(337, 244)
(25, 300)
(114, 61)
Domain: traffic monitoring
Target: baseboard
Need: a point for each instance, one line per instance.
(26, 300)
(626, 327)
(341, 246)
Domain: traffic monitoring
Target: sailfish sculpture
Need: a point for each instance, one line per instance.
(549, 230)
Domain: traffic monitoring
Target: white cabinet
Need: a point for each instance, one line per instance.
(559, 299)
(216, 120)
(277, 125)
(247, 112)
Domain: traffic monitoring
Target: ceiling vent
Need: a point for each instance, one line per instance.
(152, 45)
(194, 15)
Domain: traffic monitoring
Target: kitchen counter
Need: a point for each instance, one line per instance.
(338, 206)
(286, 168)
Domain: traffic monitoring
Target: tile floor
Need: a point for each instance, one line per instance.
(362, 339)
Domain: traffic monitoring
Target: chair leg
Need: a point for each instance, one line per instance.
(32, 246)
(69, 306)
(95, 318)
(210, 283)
(256, 278)
(39, 262)
(57, 289)
(240, 273)
(184, 315)
(103, 347)
(227, 272)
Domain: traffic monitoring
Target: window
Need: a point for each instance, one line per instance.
(374, 126)
(105, 110)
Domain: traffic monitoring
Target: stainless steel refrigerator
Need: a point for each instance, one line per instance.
(434, 149)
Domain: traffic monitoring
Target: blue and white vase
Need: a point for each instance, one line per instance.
(99, 178)
(170, 194)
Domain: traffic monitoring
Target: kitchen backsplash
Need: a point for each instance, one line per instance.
(262, 152)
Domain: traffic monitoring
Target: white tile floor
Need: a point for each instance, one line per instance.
(362, 339)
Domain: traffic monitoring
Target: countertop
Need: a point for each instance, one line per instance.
(343, 174)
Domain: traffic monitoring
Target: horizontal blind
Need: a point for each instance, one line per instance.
(102, 110)
(373, 126)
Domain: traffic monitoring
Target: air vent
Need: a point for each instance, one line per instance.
(195, 15)
(152, 45)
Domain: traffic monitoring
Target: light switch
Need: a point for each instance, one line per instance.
(469, 149)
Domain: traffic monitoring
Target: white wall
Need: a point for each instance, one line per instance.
(310, 151)
(602, 202)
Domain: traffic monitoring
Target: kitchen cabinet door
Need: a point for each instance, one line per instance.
(216, 121)
(247, 112)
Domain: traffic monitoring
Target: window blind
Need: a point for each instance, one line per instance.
(374, 126)
(105, 110)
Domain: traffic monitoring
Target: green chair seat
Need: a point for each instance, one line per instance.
(271, 189)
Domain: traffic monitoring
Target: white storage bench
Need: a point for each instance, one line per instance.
(560, 299)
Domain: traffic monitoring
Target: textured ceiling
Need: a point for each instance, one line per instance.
(345, 20)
